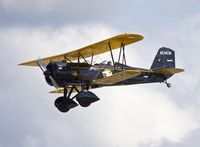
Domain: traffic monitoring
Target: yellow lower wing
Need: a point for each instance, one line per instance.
(118, 77)
(166, 71)
(61, 90)
(58, 91)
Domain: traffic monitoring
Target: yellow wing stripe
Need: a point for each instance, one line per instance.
(93, 49)
(168, 71)
(118, 77)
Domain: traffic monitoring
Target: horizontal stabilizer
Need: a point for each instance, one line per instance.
(168, 71)
(118, 77)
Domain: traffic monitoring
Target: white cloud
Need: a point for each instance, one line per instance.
(125, 116)
(185, 39)
(139, 115)
(31, 141)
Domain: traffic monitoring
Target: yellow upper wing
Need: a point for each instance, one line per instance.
(118, 77)
(93, 49)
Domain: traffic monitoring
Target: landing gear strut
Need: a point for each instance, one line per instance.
(84, 98)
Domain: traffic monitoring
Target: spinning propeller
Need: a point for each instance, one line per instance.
(46, 72)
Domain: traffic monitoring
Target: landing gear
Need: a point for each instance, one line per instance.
(84, 98)
(168, 84)
(65, 103)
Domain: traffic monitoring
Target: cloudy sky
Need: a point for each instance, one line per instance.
(132, 116)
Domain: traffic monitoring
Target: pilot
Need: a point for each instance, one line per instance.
(109, 63)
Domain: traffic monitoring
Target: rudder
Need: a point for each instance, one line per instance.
(165, 58)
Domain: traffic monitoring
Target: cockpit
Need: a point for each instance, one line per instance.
(105, 62)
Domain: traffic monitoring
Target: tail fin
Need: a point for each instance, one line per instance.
(165, 58)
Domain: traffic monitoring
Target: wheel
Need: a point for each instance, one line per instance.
(60, 104)
(169, 85)
(64, 104)
(86, 98)
(86, 104)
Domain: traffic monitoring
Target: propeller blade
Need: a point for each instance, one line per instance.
(41, 65)
(53, 82)
(46, 73)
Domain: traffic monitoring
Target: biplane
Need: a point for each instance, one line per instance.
(74, 73)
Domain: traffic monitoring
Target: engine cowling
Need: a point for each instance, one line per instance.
(63, 72)
(60, 71)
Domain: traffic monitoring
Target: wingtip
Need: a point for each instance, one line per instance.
(30, 63)
(140, 37)
(21, 64)
(56, 91)
(181, 70)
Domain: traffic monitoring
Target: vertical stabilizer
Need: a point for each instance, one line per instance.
(165, 58)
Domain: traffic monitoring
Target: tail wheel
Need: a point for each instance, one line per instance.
(169, 85)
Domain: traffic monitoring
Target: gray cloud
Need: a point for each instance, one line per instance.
(183, 4)
(191, 139)
(52, 12)
(23, 118)
(184, 38)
